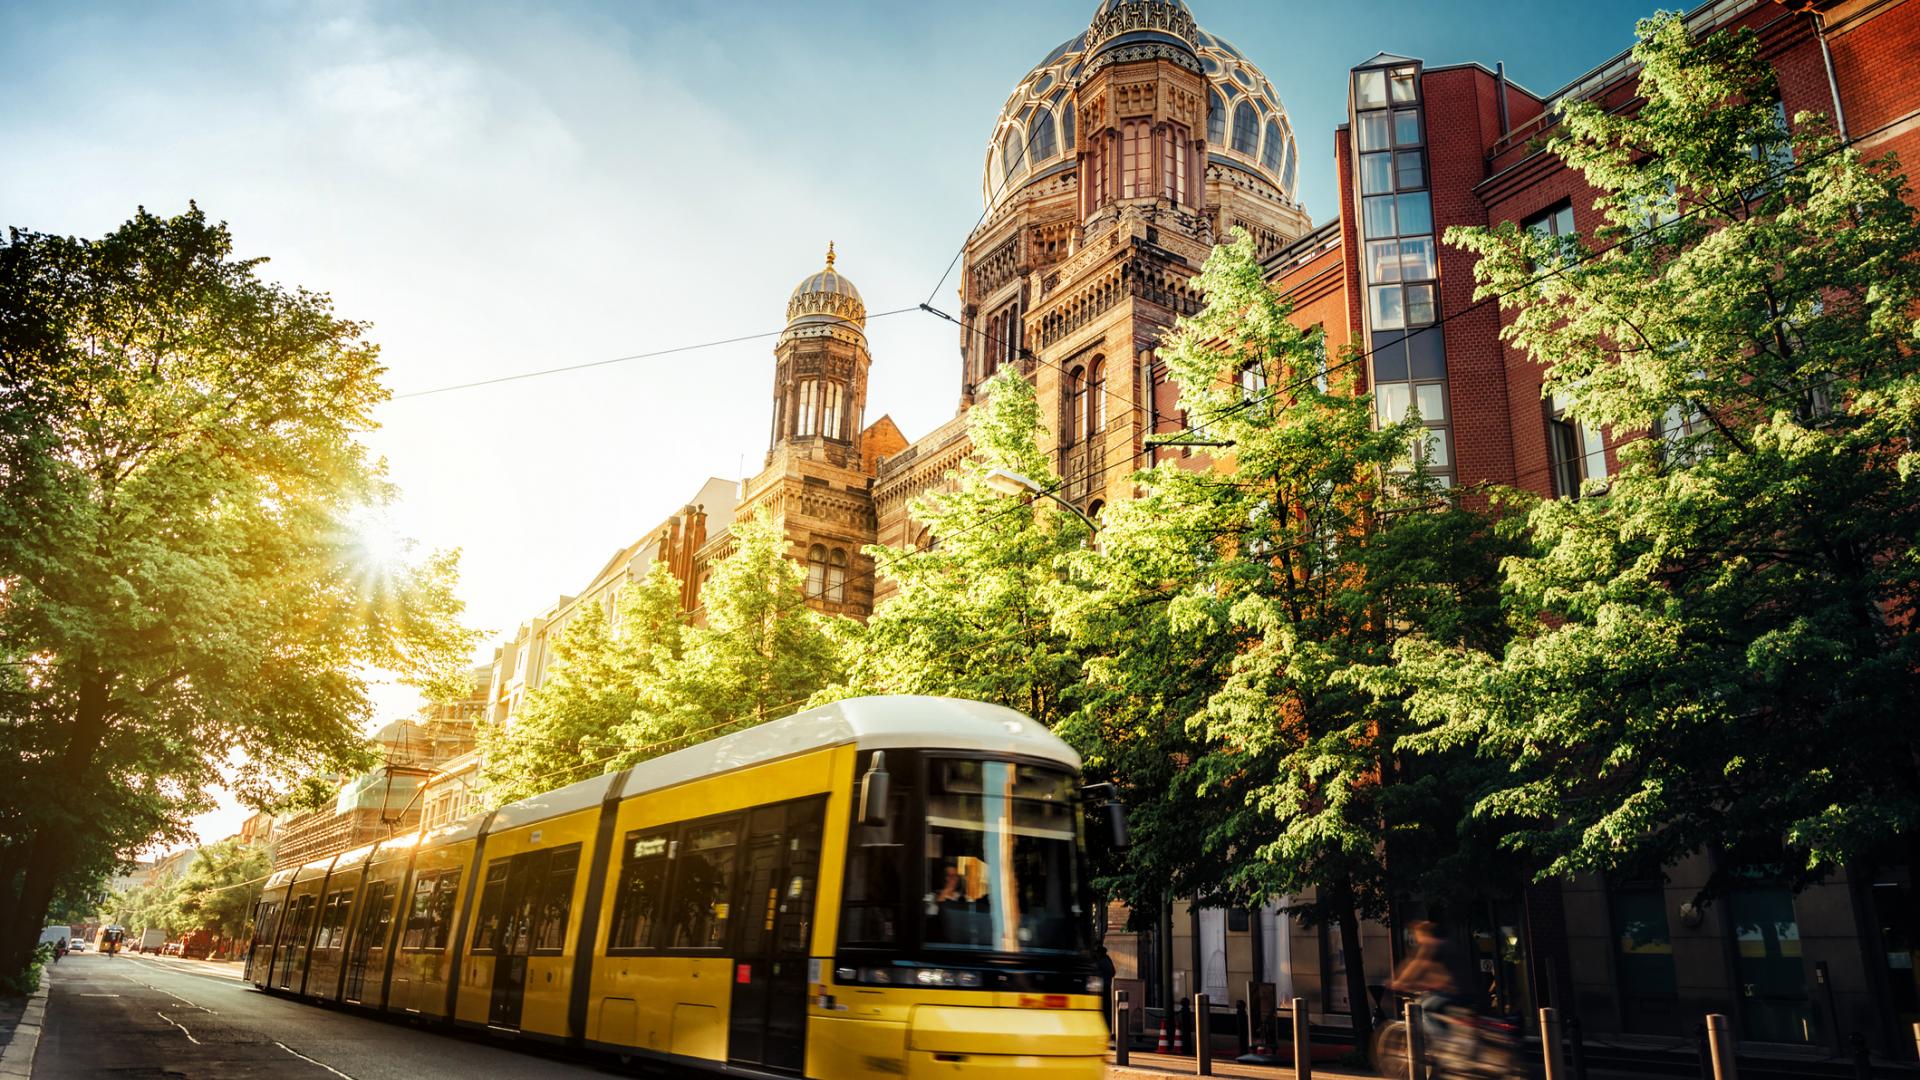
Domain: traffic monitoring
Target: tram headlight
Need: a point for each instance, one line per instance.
(1096, 984)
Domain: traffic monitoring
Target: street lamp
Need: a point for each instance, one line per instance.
(1008, 482)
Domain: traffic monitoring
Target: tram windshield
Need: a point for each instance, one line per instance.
(1001, 858)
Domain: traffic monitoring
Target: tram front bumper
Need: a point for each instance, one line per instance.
(990, 1043)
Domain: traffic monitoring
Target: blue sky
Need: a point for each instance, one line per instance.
(514, 186)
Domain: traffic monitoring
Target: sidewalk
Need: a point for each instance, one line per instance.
(20, 1023)
(1145, 1066)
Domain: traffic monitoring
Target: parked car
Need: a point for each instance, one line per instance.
(173, 948)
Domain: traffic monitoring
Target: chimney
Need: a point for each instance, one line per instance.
(1500, 91)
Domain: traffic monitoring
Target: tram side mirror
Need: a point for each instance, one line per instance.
(874, 788)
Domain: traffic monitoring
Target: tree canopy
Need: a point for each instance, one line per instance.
(1716, 646)
(183, 497)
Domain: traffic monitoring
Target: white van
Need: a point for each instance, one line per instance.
(53, 935)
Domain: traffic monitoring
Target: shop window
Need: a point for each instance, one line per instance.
(1643, 958)
(1769, 966)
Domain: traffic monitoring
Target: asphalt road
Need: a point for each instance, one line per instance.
(130, 1017)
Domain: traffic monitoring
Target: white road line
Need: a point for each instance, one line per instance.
(178, 1024)
(322, 1064)
(169, 993)
(225, 980)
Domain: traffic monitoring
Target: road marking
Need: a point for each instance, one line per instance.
(322, 1064)
(226, 980)
(99, 995)
(178, 1024)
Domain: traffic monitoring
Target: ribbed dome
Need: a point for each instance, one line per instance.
(826, 297)
(1033, 137)
(1141, 30)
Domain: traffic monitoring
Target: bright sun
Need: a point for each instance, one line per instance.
(378, 546)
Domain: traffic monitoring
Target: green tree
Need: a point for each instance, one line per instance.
(1260, 589)
(762, 653)
(1720, 647)
(973, 612)
(181, 485)
(609, 688)
(217, 892)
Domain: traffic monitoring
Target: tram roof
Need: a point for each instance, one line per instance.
(895, 721)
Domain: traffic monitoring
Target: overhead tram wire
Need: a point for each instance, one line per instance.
(631, 356)
(1006, 175)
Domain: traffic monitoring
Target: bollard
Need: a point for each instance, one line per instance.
(1862, 1058)
(1240, 1022)
(1202, 1036)
(1120, 1048)
(1576, 1049)
(1550, 1044)
(1302, 1042)
(1416, 1042)
(1720, 1047)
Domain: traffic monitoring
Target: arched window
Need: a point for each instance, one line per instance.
(1076, 404)
(1173, 163)
(817, 571)
(1216, 119)
(1044, 143)
(1246, 129)
(1066, 128)
(1286, 170)
(830, 410)
(1097, 398)
(1094, 508)
(1270, 152)
(837, 576)
(807, 419)
(1012, 156)
(1136, 162)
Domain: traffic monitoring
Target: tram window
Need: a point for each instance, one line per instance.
(643, 877)
(430, 919)
(876, 881)
(333, 921)
(1001, 858)
(556, 901)
(444, 898)
(486, 928)
(697, 907)
(375, 917)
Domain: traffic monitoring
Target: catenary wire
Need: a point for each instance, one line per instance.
(515, 377)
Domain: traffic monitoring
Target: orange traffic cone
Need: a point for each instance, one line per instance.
(1179, 1045)
(1162, 1047)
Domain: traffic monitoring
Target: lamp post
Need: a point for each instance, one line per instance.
(1008, 482)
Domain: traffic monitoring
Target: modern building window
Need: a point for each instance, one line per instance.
(1375, 130)
(1216, 119)
(1555, 225)
(1376, 173)
(1776, 154)
(1270, 148)
(837, 576)
(1370, 89)
(1044, 143)
(1246, 129)
(817, 571)
(1405, 89)
(1136, 161)
(1406, 127)
(1575, 453)
(1253, 381)
(1409, 169)
(1097, 397)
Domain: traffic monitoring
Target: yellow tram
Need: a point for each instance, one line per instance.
(882, 887)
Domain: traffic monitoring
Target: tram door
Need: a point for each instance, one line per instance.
(293, 944)
(525, 872)
(376, 914)
(778, 878)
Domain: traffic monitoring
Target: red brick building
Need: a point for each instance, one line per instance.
(1426, 148)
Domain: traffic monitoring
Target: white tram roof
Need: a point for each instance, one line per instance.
(894, 721)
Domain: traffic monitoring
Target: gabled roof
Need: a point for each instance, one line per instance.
(1385, 58)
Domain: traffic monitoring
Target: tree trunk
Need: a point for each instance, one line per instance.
(49, 852)
(1361, 1006)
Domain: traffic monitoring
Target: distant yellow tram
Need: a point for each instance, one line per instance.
(883, 887)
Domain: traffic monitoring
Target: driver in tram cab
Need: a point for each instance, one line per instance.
(961, 901)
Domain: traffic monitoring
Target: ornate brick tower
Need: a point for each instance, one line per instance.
(820, 455)
(820, 373)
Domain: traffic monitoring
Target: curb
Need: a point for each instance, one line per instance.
(16, 1063)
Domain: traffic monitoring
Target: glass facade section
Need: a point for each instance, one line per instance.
(1401, 261)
